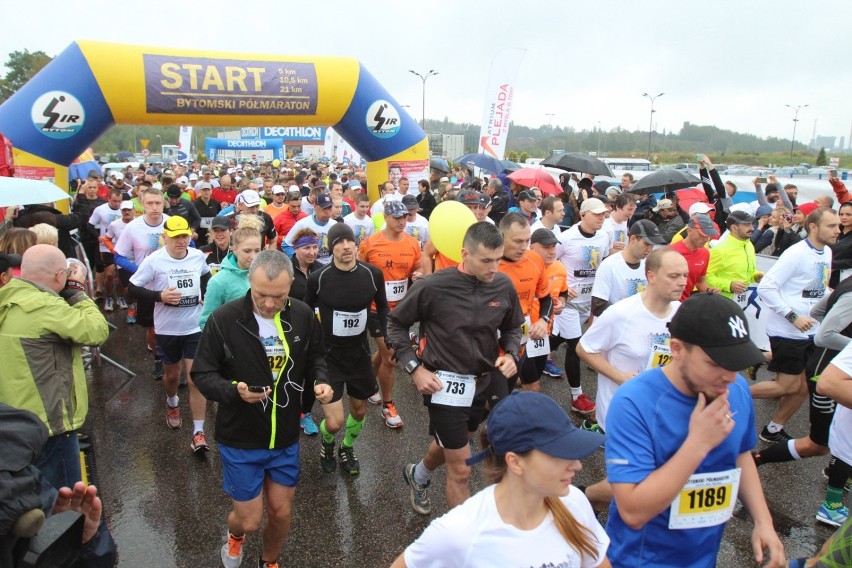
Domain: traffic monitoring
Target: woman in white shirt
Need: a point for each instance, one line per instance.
(531, 515)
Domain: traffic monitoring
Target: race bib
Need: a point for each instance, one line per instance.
(275, 355)
(585, 289)
(707, 500)
(206, 222)
(661, 355)
(458, 389)
(348, 324)
(395, 290)
(538, 347)
(189, 286)
(525, 330)
(214, 268)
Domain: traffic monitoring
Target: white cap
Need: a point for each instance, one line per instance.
(157, 185)
(249, 198)
(278, 189)
(182, 179)
(193, 176)
(593, 205)
(126, 205)
(294, 188)
(699, 207)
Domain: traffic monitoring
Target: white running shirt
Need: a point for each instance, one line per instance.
(160, 271)
(625, 334)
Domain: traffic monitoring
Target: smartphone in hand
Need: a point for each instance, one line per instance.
(257, 389)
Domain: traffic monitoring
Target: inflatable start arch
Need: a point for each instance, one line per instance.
(91, 86)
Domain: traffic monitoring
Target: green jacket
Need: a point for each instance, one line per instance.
(40, 338)
(230, 283)
(731, 260)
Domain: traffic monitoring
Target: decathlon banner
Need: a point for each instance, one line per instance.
(184, 143)
(81, 93)
(499, 96)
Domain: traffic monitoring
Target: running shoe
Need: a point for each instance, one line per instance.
(158, 369)
(199, 443)
(583, 405)
(109, 305)
(131, 316)
(232, 552)
(327, 461)
(419, 495)
(773, 438)
(308, 425)
(348, 460)
(552, 370)
(122, 303)
(833, 517)
(173, 419)
(392, 419)
(376, 398)
(591, 426)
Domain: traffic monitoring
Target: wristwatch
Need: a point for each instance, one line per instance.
(412, 365)
(791, 316)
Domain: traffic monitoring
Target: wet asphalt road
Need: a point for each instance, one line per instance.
(166, 507)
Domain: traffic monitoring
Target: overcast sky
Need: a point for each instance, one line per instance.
(729, 63)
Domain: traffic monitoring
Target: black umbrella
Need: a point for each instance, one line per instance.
(663, 181)
(439, 164)
(578, 162)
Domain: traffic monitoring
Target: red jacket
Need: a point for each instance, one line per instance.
(284, 221)
(840, 190)
(225, 197)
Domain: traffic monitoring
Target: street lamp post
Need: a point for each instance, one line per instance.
(651, 122)
(796, 110)
(423, 78)
(598, 155)
(549, 116)
(161, 145)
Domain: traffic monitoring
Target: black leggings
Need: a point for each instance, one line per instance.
(308, 399)
(838, 472)
(572, 360)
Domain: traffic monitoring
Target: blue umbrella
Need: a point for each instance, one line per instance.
(482, 161)
(82, 169)
(510, 166)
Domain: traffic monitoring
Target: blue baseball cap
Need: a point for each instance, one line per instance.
(525, 421)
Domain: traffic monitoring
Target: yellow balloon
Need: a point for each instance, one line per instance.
(379, 220)
(276, 162)
(448, 224)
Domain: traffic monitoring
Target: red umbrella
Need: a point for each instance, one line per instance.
(529, 177)
(687, 197)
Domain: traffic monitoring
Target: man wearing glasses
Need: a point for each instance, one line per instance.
(45, 320)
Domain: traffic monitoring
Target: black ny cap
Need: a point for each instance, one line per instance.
(717, 325)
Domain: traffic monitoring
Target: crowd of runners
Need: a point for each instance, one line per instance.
(276, 290)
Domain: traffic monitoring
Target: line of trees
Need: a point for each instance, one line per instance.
(536, 142)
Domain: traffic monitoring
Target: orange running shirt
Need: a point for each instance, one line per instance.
(557, 277)
(528, 277)
(396, 259)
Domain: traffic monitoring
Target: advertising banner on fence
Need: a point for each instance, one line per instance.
(184, 143)
(413, 170)
(499, 97)
(753, 307)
